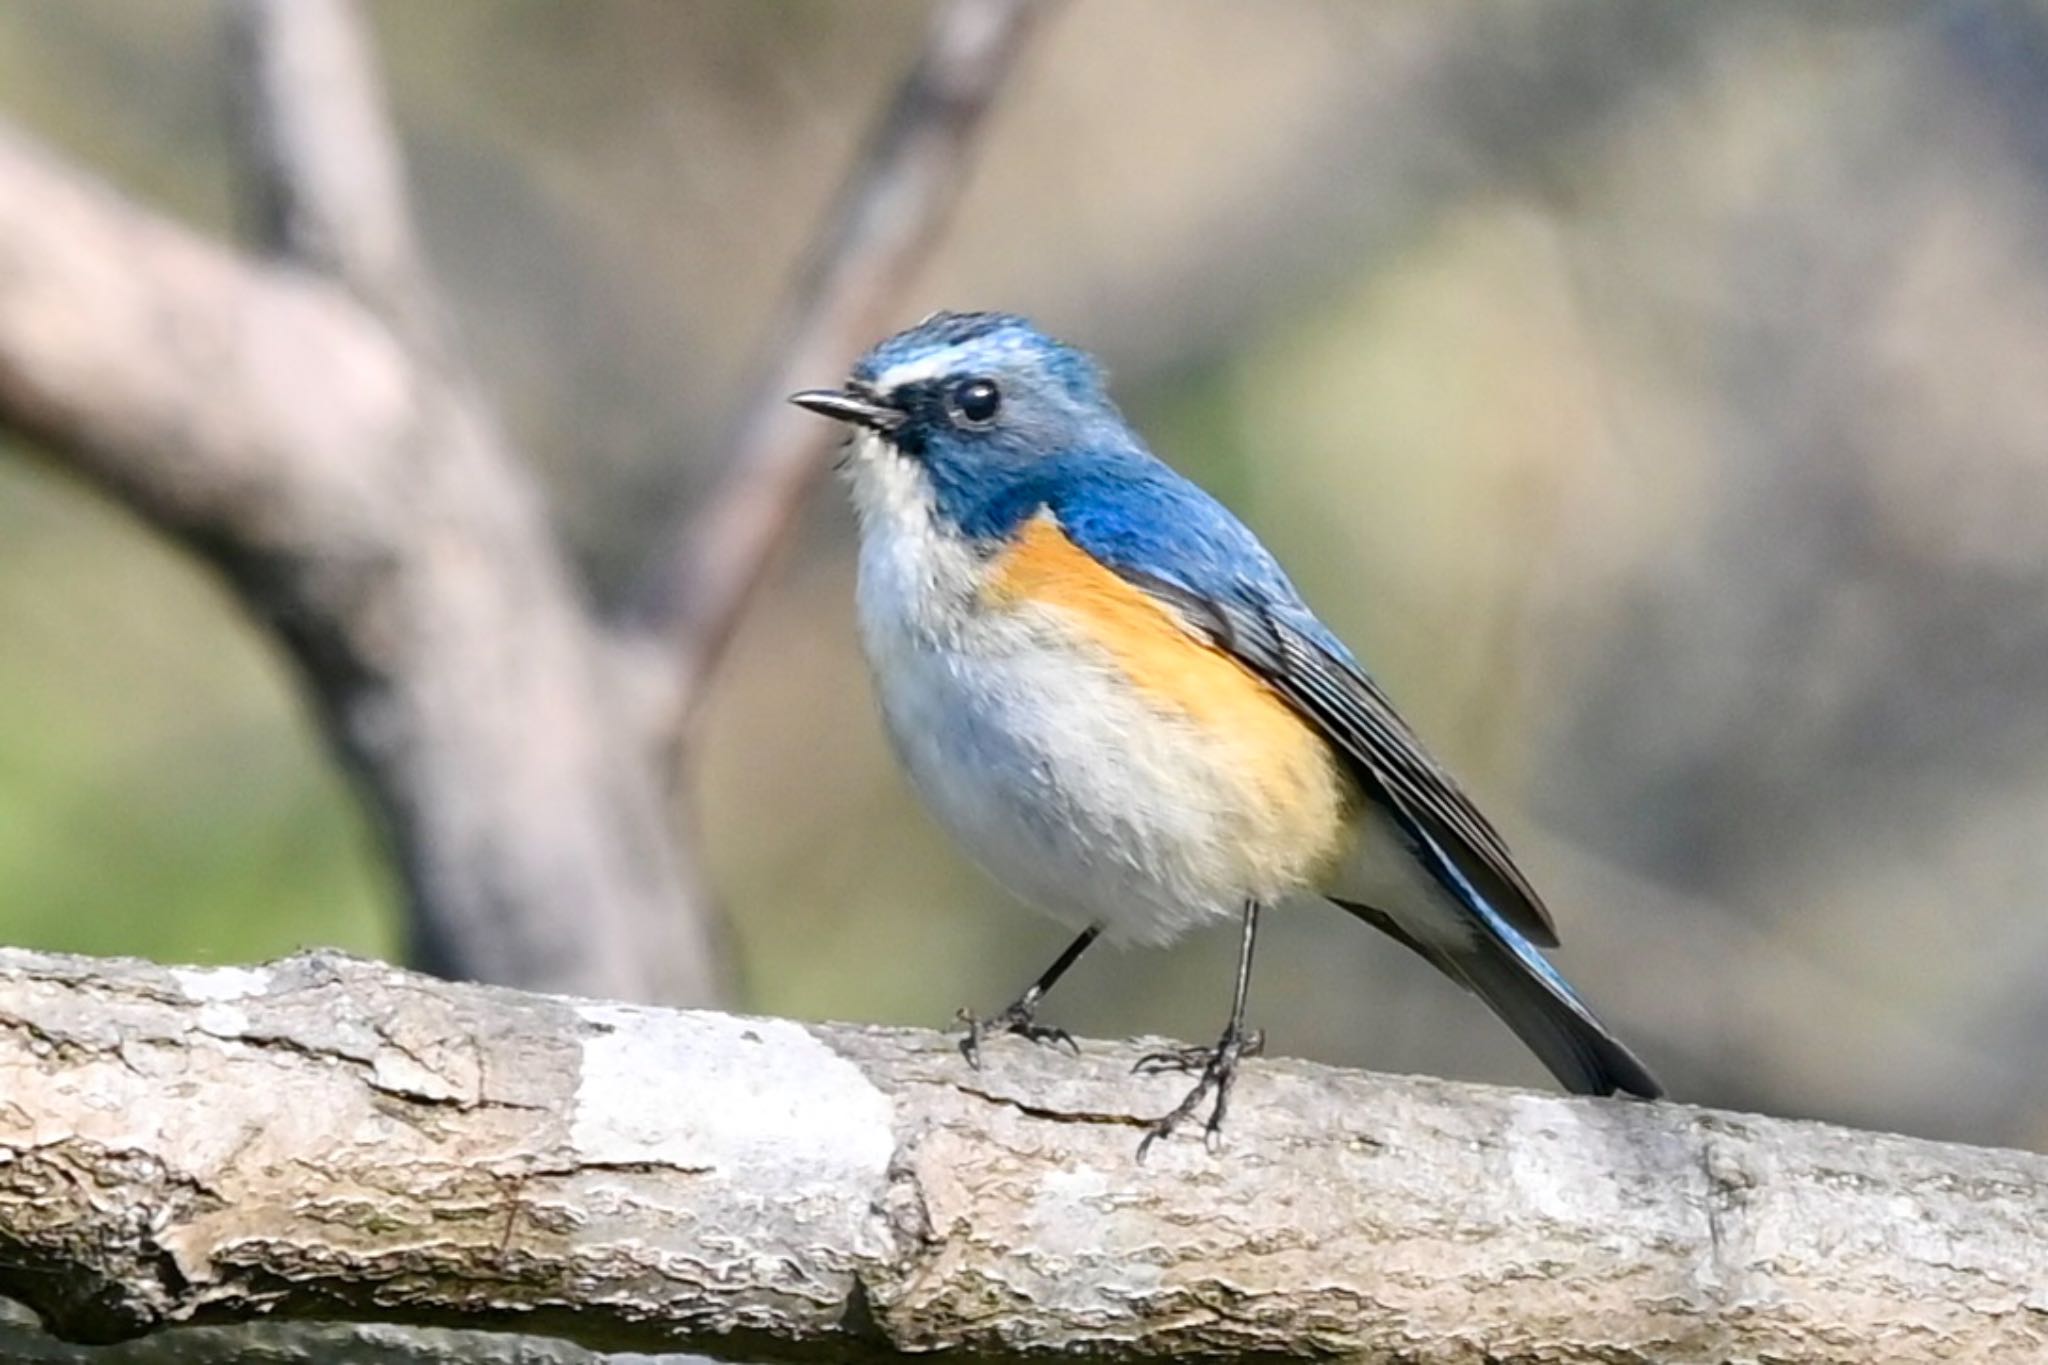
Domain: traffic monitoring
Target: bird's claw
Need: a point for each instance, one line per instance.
(1193, 1060)
(1017, 1019)
(1218, 1075)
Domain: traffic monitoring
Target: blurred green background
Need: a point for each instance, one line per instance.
(1649, 392)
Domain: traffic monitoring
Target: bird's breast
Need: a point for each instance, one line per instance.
(1190, 683)
(1092, 753)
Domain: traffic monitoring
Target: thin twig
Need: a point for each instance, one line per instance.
(327, 176)
(878, 232)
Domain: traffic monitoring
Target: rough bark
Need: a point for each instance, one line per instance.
(275, 1342)
(331, 1139)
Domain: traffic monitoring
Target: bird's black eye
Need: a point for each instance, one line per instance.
(975, 401)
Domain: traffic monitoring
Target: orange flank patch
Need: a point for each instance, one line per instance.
(1303, 801)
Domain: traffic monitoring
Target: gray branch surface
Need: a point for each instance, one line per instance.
(331, 1139)
(275, 1341)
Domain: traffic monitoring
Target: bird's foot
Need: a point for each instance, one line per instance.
(1217, 1068)
(1020, 1018)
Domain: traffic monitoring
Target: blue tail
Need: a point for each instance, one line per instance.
(1546, 1014)
(1518, 983)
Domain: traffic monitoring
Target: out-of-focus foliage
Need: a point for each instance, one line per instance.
(1650, 392)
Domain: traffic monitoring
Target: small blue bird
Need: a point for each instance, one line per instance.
(1108, 690)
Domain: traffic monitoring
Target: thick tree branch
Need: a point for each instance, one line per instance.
(326, 1138)
(269, 1341)
(891, 207)
(366, 508)
(163, 367)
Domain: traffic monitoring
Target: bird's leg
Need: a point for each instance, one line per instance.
(1217, 1066)
(1020, 1015)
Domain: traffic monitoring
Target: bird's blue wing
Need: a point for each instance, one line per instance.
(1169, 537)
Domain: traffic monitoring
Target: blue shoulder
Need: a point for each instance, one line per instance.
(1135, 515)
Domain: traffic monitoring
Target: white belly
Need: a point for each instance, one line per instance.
(1086, 804)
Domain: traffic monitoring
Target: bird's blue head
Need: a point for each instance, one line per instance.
(971, 413)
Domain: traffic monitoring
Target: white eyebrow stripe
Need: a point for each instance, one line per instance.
(925, 367)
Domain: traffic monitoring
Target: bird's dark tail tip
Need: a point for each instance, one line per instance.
(1520, 986)
(1547, 1015)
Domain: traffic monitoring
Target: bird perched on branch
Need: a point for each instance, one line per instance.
(1108, 690)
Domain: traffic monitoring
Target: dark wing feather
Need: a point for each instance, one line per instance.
(1326, 686)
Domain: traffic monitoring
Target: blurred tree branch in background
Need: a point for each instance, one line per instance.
(349, 1140)
(325, 176)
(888, 214)
(376, 519)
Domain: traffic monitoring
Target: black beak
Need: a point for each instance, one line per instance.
(851, 408)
